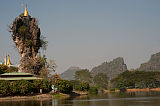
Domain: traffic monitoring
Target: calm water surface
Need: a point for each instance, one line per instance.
(108, 99)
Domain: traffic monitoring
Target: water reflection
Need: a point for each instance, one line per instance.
(108, 99)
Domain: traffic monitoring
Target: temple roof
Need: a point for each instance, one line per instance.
(16, 73)
(18, 76)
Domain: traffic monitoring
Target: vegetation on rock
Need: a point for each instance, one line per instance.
(111, 69)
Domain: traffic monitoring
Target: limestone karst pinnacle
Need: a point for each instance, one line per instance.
(26, 36)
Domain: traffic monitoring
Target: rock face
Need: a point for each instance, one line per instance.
(26, 36)
(153, 64)
(69, 74)
(112, 69)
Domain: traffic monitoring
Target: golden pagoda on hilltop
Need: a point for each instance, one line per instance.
(7, 61)
(25, 12)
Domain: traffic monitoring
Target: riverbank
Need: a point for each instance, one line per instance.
(137, 90)
(46, 96)
(27, 97)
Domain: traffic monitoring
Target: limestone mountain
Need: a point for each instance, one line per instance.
(27, 38)
(112, 68)
(153, 64)
(69, 73)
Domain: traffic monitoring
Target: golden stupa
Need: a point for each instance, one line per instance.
(7, 61)
(25, 12)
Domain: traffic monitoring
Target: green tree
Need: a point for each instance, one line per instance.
(83, 75)
(137, 79)
(101, 80)
(64, 86)
(84, 86)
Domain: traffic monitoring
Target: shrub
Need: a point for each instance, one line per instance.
(23, 86)
(4, 69)
(64, 86)
(75, 84)
(84, 86)
(14, 87)
(101, 80)
(13, 69)
(4, 88)
(41, 84)
(112, 90)
(93, 90)
(23, 30)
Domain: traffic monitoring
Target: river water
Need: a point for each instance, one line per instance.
(107, 99)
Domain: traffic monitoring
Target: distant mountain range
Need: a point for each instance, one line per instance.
(115, 67)
(153, 64)
(112, 68)
(69, 73)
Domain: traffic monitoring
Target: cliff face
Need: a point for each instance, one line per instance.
(69, 73)
(112, 69)
(153, 64)
(26, 36)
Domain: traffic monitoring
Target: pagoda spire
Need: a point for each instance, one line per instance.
(9, 62)
(5, 60)
(25, 12)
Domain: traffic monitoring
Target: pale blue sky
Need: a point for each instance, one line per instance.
(86, 33)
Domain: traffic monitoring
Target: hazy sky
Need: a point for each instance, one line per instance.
(85, 33)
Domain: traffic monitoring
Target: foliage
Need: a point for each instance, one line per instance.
(101, 80)
(83, 75)
(22, 30)
(112, 89)
(4, 69)
(47, 67)
(84, 86)
(23, 87)
(42, 84)
(4, 87)
(22, 14)
(64, 86)
(93, 89)
(75, 84)
(29, 42)
(13, 69)
(136, 79)
(44, 43)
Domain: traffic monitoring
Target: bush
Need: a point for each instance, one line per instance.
(23, 87)
(101, 80)
(93, 90)
(4, 88)
(4, 69)
(84, 86)
(112, 90)
(23, 30)
(14, 87)
(41, 84)
(64, 86)
(75, 84)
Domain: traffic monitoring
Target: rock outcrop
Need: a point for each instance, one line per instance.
(26, 36)
(69, 74)
(153, 64)
(112, 69)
